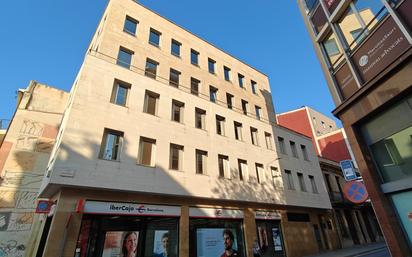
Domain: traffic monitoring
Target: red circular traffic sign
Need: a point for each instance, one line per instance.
(355, 192)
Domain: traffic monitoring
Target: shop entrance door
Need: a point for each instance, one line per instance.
(270, 238)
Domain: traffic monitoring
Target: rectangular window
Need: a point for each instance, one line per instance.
(241, 79)
(154, 37)
(260, 173)
(211, 65)
(200, 118)
(244, 107)
(111, 145)
(282, 146)
(243, 170)
(301, 182)
(120, 93)
(269, 140)
(275, 174)
(258, 112)
(229, 100)
(177, 111)
(151, 68)
(254, 135)
(254, 87)
(224, 171)
(304, 152)
(175, 48)
(124, 58)
(226, 72)
(147, 149)
(130, 25)
(289, 180)
(213, 94)
(176, 157)
(194, 57)
(238, 130)
(174, 77)
(201, 161)
(220, 125)
(194, 86)
(151, 102)
(293, 148)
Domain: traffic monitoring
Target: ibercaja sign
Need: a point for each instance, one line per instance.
(380, 50)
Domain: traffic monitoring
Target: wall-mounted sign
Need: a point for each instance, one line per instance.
(355, 192)
(385, 45)
(215, 213)
(44, 206)
(115, 208)
(345, 81)
(348, 170)
(267, 215)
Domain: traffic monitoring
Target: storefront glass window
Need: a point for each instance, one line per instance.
(391, 142)
(270, 239)
(214, 237)
(109, 236)
(403, 205)
(360, 19)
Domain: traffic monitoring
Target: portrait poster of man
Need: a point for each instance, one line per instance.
(162, 245)
(212, 242)
(120, 244)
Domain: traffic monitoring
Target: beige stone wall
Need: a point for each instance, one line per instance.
(24, 155)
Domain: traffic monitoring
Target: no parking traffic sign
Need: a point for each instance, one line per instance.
(355, 192)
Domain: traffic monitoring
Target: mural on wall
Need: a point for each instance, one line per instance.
(20, 185)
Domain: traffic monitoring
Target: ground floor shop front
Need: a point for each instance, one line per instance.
(112, 224)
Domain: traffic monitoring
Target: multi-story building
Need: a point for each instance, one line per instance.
(364, 48)
(356, 223)
(166, 143)
(24, 155)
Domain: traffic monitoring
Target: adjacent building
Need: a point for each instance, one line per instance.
(169, 144)
(364, 48)
(24, 154)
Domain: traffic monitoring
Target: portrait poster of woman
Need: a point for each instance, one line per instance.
(121, 244)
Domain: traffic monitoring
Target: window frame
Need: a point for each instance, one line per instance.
(194, 57)
(120, 62)
(254, 136)
(171, 81)
(118, 145)
(147, 71)
(211, 63)
(203, 158)
(115, 92)
(180, 151)
(226, 73)
(220, 123)
(174, 42)
(152, 142)
(180, 107)
(131, 20)
(202, 114)
(156, 96)
(157, 33)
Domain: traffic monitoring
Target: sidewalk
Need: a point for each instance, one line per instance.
(353, 251)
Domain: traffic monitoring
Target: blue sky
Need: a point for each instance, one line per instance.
(46, 40)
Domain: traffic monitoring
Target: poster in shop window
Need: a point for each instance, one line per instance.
(162, 244)
(121, 244)
(276, 239)
(211, 242)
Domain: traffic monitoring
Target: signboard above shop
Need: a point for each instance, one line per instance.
(267, 215)
(215, 213)
(138, 209)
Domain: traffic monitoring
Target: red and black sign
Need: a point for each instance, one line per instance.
(44, 206)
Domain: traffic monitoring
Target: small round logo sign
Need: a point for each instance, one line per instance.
(363, 60)
(355, 192)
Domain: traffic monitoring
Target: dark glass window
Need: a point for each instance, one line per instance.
(174, 77)
(254, 87)
(226, 72)
(151, 102)
(130, 25)
(211, 65)
(241, 79)
(151, 68)
(244, 107)
(201, 161)
(175, 49)
(213, 94)
(194, 86)
(177, 111)
(194, 57)
(124, 58)
(229, 100)
(120, 93)
(200, 118)
(154, 37)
